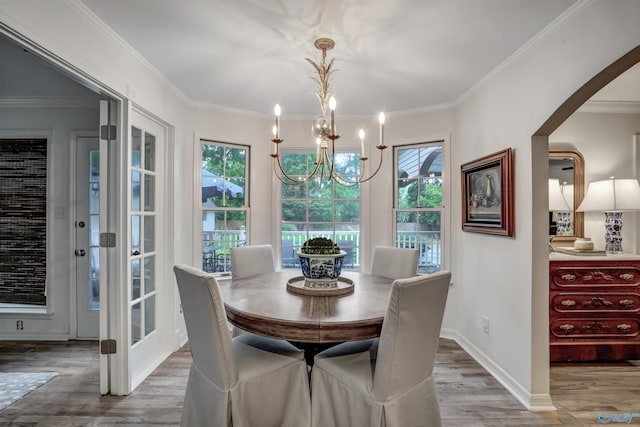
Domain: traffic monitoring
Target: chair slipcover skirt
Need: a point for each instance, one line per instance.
(256, 399)
(416, 407)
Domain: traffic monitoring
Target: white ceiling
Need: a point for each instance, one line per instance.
(390, 55)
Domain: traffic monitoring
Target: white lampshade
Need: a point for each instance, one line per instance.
(612, 195)
(567, 193)
(557, 203)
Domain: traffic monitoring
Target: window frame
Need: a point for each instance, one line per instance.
(358, 252)
(444, 213)
(246, 208)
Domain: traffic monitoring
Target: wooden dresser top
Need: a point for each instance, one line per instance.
(556, 256)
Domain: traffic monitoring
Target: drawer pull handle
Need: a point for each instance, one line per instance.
(568, 303)
(627, 276)
(624, 327)
(597, 302)
(568, 277)
(597, 275)
(566, 328)
(626, 303)
(596, 326)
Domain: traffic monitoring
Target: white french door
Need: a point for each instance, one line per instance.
(149, 281)
(136, 327)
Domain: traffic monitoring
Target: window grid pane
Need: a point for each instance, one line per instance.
(143, 234)
(136, 323)
(224, 187)
(320, 208)
(418, 198)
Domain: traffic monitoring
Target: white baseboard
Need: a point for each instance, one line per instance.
(449, 334)
(181, 338)
(533, 402)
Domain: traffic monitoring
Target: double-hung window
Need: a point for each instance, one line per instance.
(320, 207)
(225, 206)
(418, 181)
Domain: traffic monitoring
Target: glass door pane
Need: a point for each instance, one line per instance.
(143, 234)
(87, 228)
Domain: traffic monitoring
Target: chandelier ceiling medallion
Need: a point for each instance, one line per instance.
(324, 132)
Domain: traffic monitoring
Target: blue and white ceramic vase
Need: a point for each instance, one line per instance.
(563, 222)
(613, 234)
(321, 271)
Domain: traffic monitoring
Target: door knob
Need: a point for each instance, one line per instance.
(80, 252)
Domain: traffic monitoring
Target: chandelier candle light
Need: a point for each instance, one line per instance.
(324, 131)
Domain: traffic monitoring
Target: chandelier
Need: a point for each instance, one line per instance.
(323, 129)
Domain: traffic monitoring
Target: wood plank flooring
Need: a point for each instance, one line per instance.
(469, 396)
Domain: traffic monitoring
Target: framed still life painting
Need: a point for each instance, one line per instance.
(487, 194)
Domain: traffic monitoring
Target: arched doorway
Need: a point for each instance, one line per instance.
(587, 90)
(541, 139)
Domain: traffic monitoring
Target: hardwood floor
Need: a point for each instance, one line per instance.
(469, 396)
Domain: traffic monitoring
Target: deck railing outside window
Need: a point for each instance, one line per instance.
(217, 246)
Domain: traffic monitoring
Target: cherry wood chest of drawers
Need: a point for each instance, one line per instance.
(594, 307)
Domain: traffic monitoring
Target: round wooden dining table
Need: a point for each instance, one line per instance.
(262, 304)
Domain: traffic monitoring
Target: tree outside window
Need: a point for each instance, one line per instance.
(224, 205)
(320, 207)
(418, 213)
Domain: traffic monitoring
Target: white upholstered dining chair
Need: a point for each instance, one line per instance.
(394, 263)
(243, 381)
(386, 381)
(251, 260)
(248, 261)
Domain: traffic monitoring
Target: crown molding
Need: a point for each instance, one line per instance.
(421, 110)
(619, 107)
(49, 102)
(566, 16)
(91, 17)
(202, 105)
(400, 113)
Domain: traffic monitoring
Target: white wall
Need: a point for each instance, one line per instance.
(606, 140)
(506, 278)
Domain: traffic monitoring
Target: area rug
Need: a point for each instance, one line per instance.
(16, 385)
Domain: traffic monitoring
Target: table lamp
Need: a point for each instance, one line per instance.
(612, 196)
(558, 205)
